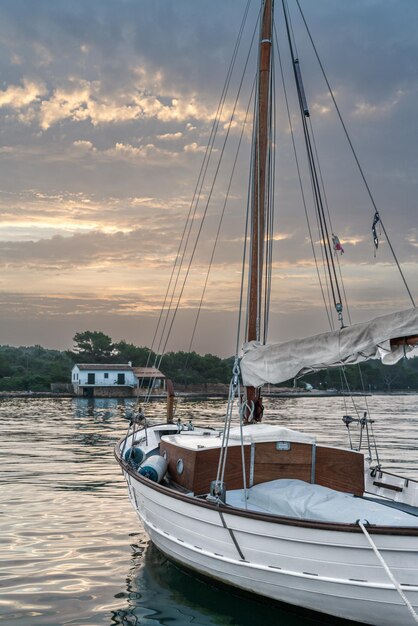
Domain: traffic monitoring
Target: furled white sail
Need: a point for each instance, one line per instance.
(370, 340)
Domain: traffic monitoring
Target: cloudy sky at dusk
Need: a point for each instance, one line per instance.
(106, 108)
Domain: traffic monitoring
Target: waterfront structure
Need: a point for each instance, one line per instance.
(113, 379)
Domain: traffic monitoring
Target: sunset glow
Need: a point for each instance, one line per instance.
(104, 127)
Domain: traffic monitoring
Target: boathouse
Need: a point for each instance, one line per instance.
(150, 377)
(114, 379)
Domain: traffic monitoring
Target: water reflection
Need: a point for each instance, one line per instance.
(66, 556)
(159, 592)
(103, 409)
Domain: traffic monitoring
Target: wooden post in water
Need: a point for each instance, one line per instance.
(170, 400)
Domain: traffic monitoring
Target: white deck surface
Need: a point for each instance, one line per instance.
(301, 500)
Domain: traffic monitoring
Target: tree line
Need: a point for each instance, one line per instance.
(35, 368)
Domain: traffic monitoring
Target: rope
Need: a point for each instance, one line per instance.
(355, 155)
(300, 181)
(204, 169)
(269, 209)
(243, 263)
(329, 217)
(234, 390)
(370, 419)
(219, 228)
(166, 309)
(313, 169)
(388, 572)
(201, 221)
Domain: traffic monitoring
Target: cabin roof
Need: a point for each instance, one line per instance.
(147, 372)
(104, 366)
(139, 372)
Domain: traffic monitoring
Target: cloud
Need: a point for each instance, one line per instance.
(194, 147)
(127, 151)
(104, 125)
(17, 97)
(79, 100)
(84, 146)
(66, 103)
(367, 109)
(170, 136)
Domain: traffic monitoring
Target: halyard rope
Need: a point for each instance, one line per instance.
(344, 127)
(388, 572)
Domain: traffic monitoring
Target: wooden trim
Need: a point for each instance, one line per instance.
(264, 463)
(377, 483)
(412, 340)
(199, 466)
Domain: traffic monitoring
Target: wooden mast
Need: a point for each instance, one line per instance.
(259, 192)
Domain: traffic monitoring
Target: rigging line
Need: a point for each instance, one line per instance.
(329, 215)
(269, 206)
(201, 176)
(322, 218)
(220, 221)
(271, 203)
(269, 199)
(197, 192)
(368, 413)
(241, 425)
(272, 190)
(355, 155)
(250, 200)
(244, 253)
(343, 370)
(385, 566)
(244, 258)
(257, 201)
(314, 176)
(204, 167)
(324, 264)
(225, 434)
(342, 388)
(300, 180)
(228, 421)
(208, 201)
(292, 33)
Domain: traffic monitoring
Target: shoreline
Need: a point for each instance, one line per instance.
(184, 395)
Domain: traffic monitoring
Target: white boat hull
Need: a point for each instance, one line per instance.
(329, 571)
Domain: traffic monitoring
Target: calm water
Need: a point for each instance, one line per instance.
(71, 549)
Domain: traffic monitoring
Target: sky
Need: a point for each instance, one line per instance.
(106, 108)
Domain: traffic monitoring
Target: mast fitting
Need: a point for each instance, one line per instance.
(301, 88)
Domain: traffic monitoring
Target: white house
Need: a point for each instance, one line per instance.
(109, 379)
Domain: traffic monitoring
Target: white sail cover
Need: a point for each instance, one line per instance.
(370, 340)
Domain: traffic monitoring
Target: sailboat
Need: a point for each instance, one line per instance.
(264, 508)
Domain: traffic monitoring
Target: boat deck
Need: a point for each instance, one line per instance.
(301, 500)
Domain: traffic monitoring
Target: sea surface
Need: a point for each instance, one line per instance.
(72, 551)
